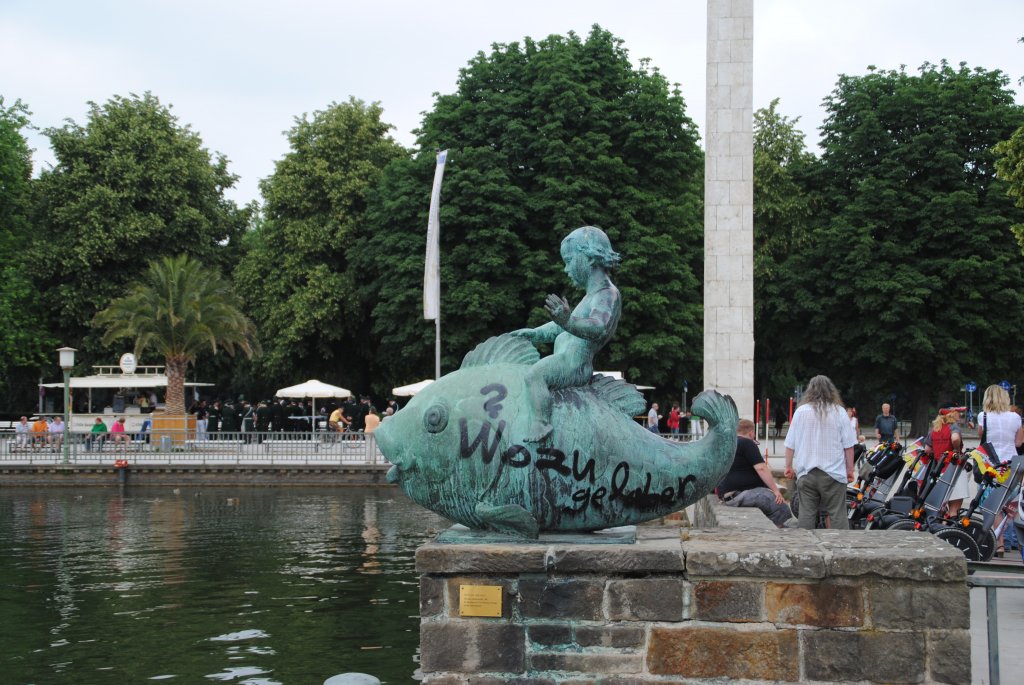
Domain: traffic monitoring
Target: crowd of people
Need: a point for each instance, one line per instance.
(40, 433)
(819, 458)
(217, 418)
(679, 422)
(286, 416)
(50, 433)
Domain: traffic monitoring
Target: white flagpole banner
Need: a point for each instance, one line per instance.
(432, 265)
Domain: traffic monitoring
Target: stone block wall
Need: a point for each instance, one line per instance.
(740, 602)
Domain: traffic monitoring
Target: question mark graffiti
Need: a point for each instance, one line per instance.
(493, 404)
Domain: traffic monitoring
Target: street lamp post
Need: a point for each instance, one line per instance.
(67, 362)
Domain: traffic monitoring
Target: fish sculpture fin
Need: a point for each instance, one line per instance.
(502, 349)
(717, 409)
(619, 394)
(512, 519)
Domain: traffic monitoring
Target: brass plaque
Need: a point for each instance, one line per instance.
(480, 600)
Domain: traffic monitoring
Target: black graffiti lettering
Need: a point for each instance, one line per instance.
(641, 496)
(582, 498)
(493, 404)
(487, 451)
(683, 482)
(553, 459)
(620, 477)
(517, 456)
(647, 486)
(586, 498)
(588, 469)
(582, 470)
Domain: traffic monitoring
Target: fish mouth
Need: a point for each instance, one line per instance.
(400, 472)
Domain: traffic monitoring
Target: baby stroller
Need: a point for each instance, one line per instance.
(878, 469)
(924, 496)
(997, 484)
(883, 499)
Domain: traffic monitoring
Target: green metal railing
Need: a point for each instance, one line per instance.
(190, 447)
(991, 585)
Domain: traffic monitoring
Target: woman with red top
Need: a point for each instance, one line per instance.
(118, 435)
(673, 419)
(945, 437)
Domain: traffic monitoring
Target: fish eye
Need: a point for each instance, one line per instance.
(436, 418)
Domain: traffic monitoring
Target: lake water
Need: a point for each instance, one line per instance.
(198, 585)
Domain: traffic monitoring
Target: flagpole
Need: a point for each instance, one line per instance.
(437, 347)
(432, 262)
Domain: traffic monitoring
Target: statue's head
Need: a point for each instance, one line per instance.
(592, 242)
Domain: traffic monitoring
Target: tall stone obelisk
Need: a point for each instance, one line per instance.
(729, 203)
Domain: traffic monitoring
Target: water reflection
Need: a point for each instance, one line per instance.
(192, 585)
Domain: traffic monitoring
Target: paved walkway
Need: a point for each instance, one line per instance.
(1011, 627)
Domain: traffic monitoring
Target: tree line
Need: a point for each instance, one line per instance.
(887, 260)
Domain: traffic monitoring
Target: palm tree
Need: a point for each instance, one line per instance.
(178, 308)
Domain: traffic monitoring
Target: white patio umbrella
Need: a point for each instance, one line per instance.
(411, 389)
(617, 375)
(313, 389)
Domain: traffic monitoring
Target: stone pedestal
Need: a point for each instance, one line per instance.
(740, 601)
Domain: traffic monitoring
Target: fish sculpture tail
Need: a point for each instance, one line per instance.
(713, 454)
(718, 410)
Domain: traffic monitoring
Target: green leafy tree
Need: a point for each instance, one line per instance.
(1010, 168)
(130, 185)
(544, 136)
(783, 208)
(25, 344)
(179, 309)
(912, 283)
(295, 272)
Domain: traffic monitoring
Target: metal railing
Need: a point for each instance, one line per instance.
(991, 584)
(190, 447)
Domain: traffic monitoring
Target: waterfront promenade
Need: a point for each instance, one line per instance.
(226, 459)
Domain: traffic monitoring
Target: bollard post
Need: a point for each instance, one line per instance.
(121, 465)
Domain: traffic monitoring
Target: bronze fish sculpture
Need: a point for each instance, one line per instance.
(458, 449)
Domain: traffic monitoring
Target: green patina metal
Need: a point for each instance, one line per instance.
(519, 444)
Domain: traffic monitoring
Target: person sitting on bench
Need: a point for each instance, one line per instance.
(749, 482)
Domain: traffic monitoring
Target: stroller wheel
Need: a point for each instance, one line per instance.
(984, 538)
(904, 524)
(962, 541)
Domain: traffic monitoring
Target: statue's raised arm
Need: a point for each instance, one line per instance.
(578, 333)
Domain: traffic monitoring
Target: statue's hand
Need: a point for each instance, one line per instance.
(527, 333)
(558, 309)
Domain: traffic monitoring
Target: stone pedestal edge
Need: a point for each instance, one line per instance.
(788, 605)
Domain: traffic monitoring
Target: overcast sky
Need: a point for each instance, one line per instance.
(240, 71)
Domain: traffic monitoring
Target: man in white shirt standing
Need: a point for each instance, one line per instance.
(652, 418)
(819, 453)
